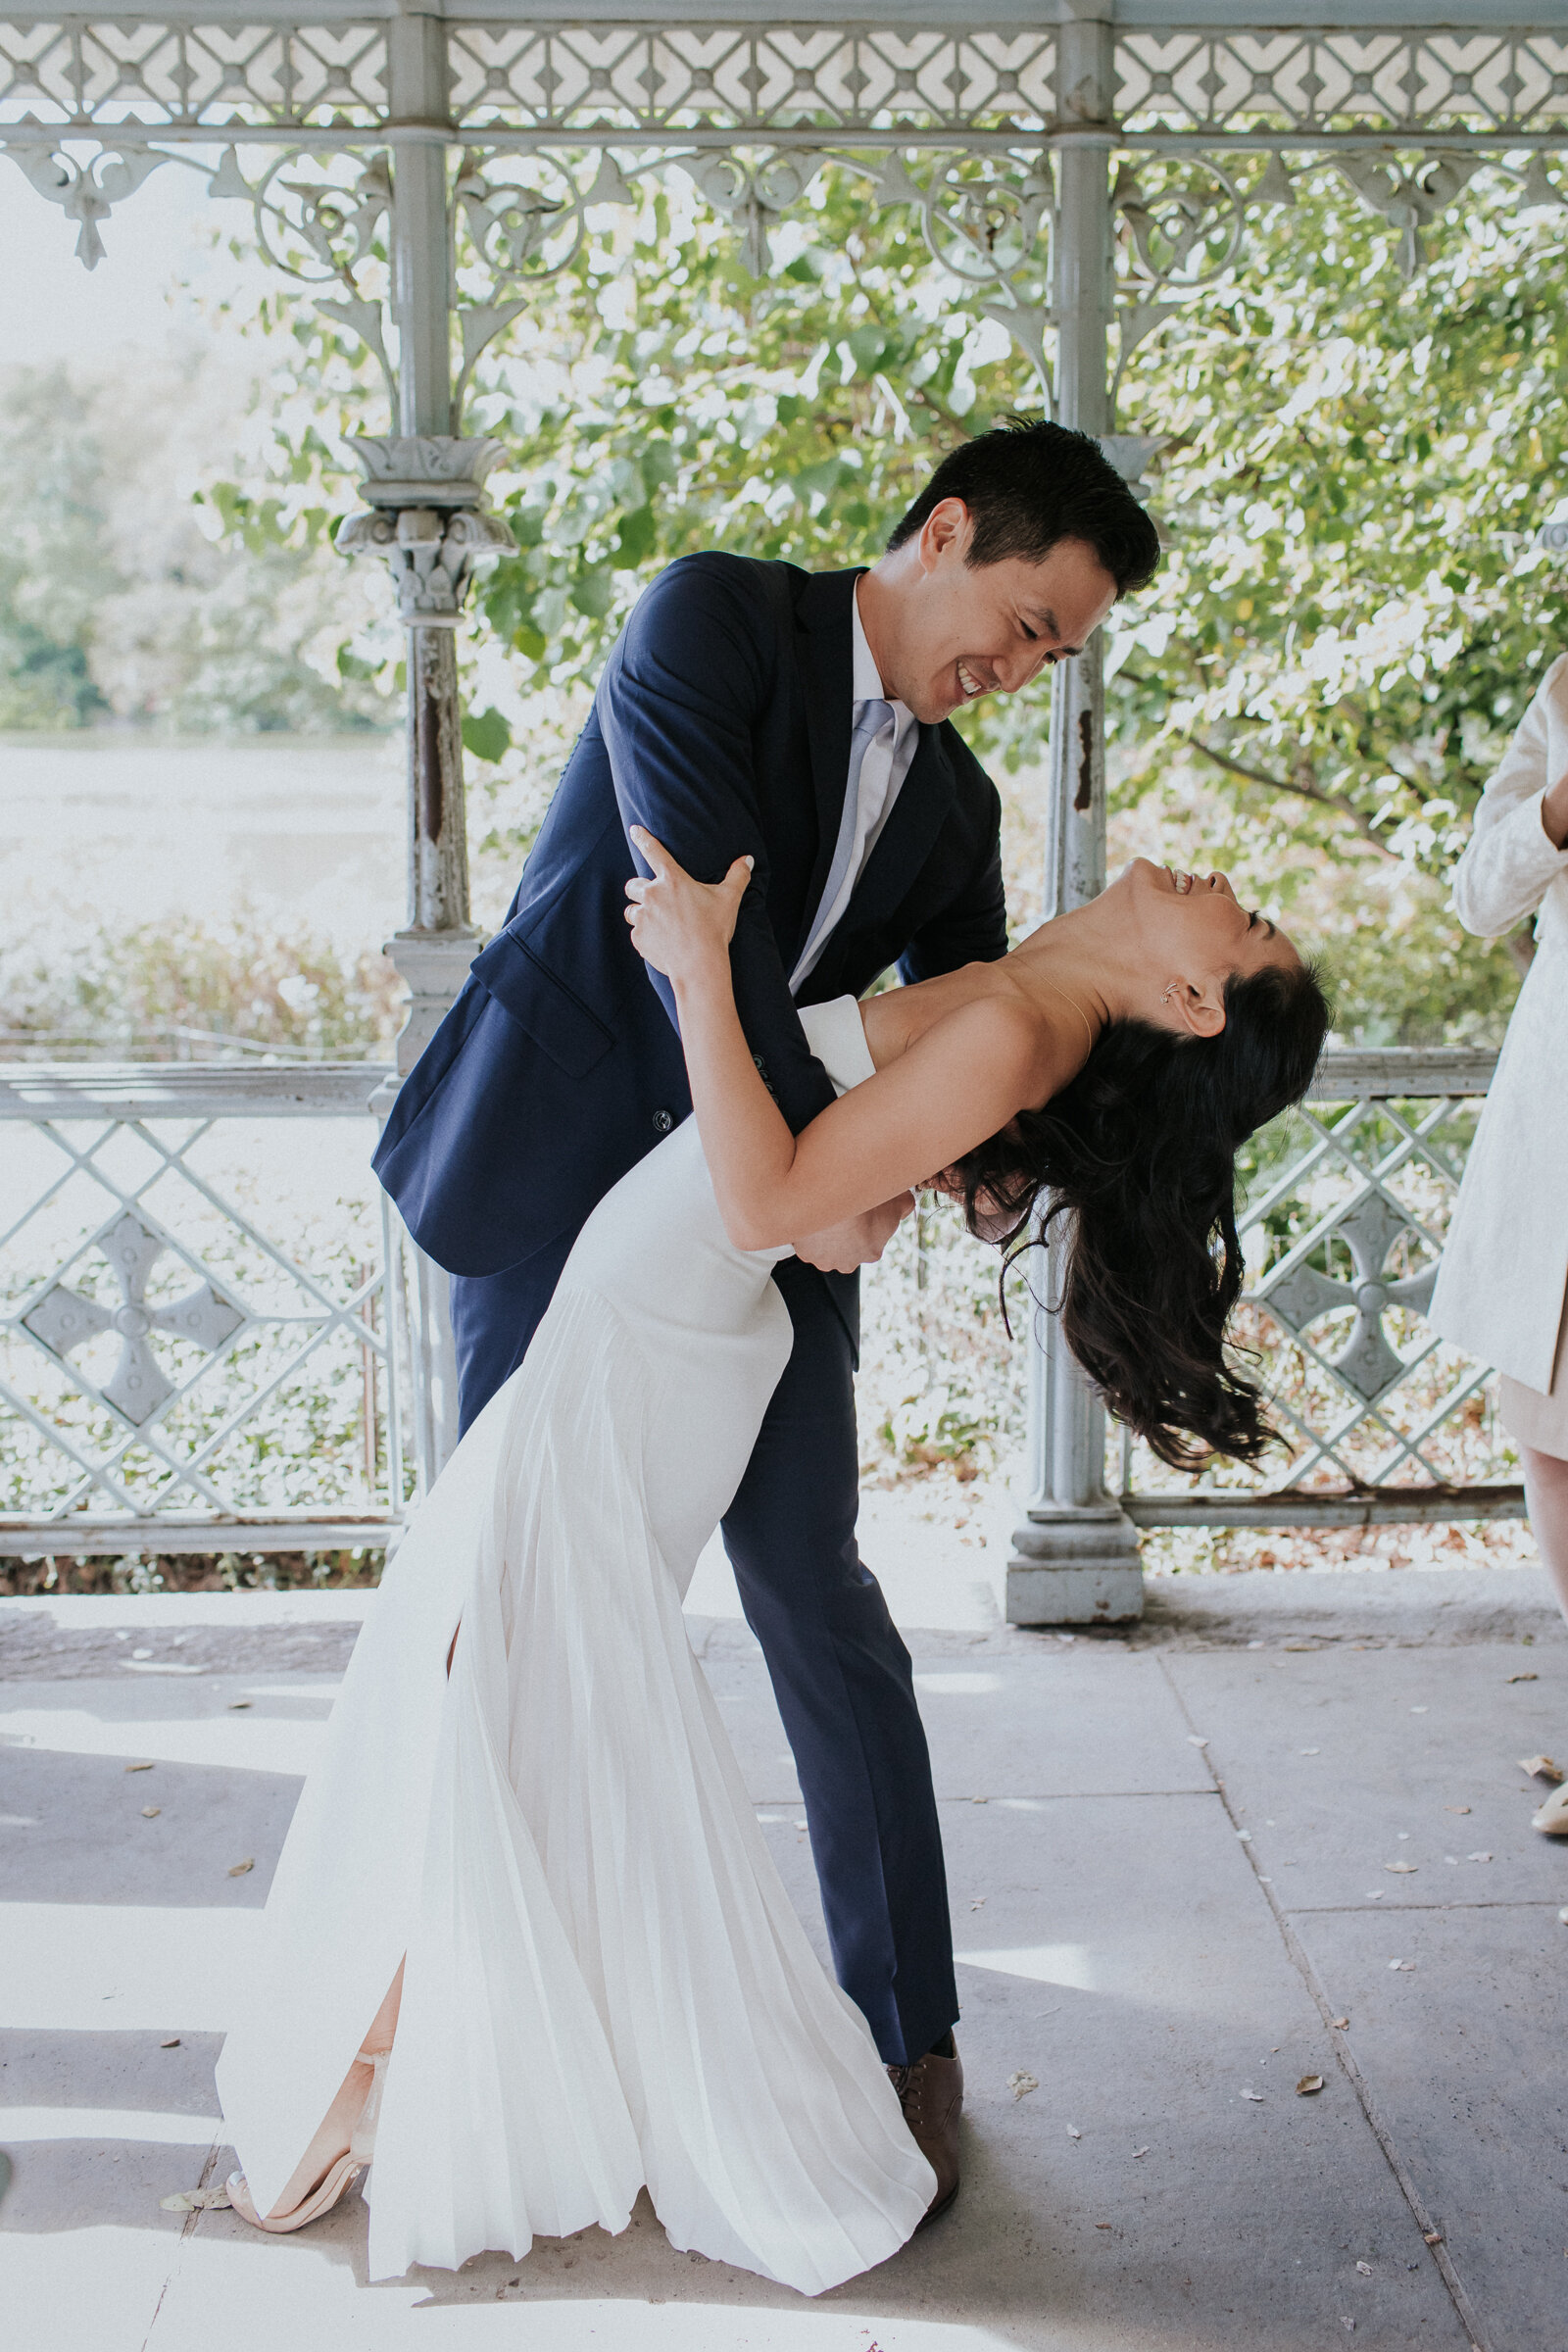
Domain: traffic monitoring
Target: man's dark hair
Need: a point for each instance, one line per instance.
(1028, 487)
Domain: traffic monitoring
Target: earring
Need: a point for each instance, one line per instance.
(1170, 993)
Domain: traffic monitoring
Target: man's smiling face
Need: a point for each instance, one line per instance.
(945, 631)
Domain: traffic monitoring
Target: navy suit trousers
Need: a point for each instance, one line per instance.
(840, 1670)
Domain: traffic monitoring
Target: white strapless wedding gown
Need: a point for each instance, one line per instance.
(605, 1986)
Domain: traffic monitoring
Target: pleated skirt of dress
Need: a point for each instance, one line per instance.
(605, 1982)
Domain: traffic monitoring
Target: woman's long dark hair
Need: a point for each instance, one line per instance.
(1138, 1154)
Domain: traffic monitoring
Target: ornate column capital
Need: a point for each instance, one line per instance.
(426, 513)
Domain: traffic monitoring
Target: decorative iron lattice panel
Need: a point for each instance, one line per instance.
(651, 82)
(1304, 83)
(1349, 1204)
(589, 78)
(197, 1322)
(162, 76)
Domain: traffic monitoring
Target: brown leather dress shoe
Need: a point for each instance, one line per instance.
(931, 2094)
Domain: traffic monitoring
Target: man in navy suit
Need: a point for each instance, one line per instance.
(753, 709)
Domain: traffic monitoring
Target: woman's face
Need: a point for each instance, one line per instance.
(1191, 928)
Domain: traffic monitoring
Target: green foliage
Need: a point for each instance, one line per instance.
(54, 566)
(126, 594)
(129, 996)
(486, 735)
(1351, 619)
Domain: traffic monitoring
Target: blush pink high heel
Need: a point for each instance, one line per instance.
(339, 2175)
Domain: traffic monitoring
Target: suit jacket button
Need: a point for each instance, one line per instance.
(663, 1121)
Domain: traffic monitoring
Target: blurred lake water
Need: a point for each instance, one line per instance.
(114, 829)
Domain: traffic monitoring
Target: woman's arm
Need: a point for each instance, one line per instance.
(965, 1079)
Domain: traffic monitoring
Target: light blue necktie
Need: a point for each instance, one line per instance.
(874, 716)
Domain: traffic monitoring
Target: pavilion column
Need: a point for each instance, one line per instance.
(434, 949)
(426, 514)
(1075, 1557)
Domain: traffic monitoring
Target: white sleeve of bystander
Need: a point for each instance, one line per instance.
(1510, 861)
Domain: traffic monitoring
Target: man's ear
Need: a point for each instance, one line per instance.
(945, 526)
(1199, 1006)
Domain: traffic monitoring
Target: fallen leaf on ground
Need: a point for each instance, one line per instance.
(1401, 1964)
(237, 1870)
(1524, 1678)
(195, 2200)
(1021, 2084)
(1366, 2269)
(1073, 2132)
(1137, 2152)
(1307, 2085)
(1478, 1857)
(1102, 2224)
(151, 1812)
(1432, 2238)
(1403, 1869)
(138, 1767)
(1456, 1808)
(1256, 2096)
(172, 2043)
(1542, 1768)
(235, 1705)
(1341, 2023)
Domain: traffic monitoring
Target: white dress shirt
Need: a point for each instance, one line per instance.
(883, 768)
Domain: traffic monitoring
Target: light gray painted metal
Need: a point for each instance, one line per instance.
(1386, 1073)
(154, 1445)
(187, 1090)
(117, 1538)
(1295, 1507)
(1075, 1546)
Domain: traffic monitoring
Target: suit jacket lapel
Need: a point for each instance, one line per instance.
(828, 678)
(924, 803)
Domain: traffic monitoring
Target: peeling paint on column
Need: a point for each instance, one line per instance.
(1085, 796)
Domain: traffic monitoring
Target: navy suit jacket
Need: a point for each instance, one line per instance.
(723, 724)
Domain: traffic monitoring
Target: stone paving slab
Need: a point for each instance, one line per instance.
(1350, 1768)
(1042, 1722)
(1462, 2052)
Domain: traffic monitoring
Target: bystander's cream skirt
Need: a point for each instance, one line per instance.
(1531, 1419)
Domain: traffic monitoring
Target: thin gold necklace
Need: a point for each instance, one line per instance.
(1077, 1007)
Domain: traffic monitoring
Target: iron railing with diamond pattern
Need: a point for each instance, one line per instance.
(1347, 1204)
(200, 1310)
(209, 1320)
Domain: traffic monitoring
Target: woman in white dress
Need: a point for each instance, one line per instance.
(1502, 1290)
(526, 1861)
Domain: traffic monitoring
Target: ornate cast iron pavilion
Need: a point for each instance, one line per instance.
(1022, 132)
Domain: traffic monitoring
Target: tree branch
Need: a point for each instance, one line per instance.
(1303, 789)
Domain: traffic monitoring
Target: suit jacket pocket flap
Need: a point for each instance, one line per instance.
(540, 1003)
